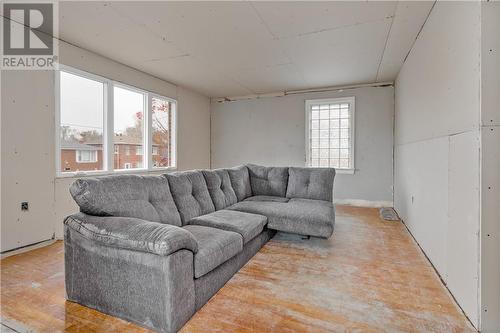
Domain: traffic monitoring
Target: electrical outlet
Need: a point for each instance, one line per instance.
(24, 205)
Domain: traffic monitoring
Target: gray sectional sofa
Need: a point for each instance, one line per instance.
(154, 249)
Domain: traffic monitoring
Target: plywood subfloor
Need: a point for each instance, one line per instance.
(369, 277)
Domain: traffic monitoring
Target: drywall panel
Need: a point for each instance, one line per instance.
(193, 147)
(490, 230)
(490, 63)
(421, 195)
(27, 157)
(438, 86)
(407, 22)
(463, 216)
(437, 116)
(271, 131)
(490, 168)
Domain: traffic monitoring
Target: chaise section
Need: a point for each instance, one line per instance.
(246, 224)
(133, 234)
(300, 216)
(215, 247)
(311, 183)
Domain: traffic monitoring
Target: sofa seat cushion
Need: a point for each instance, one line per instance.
(299, 216)
(268, 180)
(248, 225)
(215, 246)
(270, 198)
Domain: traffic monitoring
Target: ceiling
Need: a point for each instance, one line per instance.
(227, 49)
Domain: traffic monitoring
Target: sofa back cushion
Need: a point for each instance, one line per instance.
(310, 183)
(268, 180)
(143, 197)
(220, 188)
(240, 180)
(190, 194)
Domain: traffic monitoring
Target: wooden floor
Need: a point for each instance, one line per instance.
(369, 277)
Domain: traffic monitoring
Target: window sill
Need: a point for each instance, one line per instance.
(84, 174)
(344, 171)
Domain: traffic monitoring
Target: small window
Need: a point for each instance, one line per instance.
(155, 150)
(330, 133)
(138, 150)
(127, 165)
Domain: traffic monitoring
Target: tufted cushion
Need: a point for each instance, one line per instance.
(220, 188)
(311, 183)
(270, 181)
(190, 194)
(240, 180)
(143, 197)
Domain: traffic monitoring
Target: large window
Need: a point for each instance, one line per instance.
(105, 126)
(330, 133)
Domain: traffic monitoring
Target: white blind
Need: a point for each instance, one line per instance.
(330, 142)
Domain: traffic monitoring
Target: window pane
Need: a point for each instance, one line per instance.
(81, 123)
(128, 128)
(162, 132)
(330, 128)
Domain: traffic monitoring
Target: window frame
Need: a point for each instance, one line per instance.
(352, 111)
(108, 127)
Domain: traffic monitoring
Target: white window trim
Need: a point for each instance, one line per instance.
(352, 110)
(79, 152)
(108, 127)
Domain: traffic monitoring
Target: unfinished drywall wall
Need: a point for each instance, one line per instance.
(28, 142)
(271, 131)
(490, 167)
(437, 146)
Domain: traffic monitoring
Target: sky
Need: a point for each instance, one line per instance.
(82, 104)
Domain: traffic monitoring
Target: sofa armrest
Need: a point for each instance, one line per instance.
(132, 233)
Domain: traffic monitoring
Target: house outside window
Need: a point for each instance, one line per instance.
(330, 133)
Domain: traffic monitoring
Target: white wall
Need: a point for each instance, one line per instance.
(28, 142)
(271, 131)
(490, 167)
(437, 146)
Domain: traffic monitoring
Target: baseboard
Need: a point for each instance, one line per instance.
(363, 203)
(27, 248)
